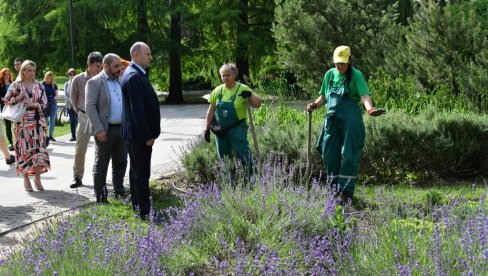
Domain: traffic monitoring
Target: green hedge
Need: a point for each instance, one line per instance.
(398, 146)
(430, 145)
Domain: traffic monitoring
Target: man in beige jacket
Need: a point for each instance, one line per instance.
(77, 92)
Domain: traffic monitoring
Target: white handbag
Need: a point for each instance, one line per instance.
(13, 112)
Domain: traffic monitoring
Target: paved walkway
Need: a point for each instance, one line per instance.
(18, 208)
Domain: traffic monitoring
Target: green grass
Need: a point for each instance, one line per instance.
(61, 130)
(60, 80)
(440, 193)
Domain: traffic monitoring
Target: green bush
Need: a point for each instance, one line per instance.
(199, 159)
(435, 144)
(281, 131)
(407, 94)
(399, 146)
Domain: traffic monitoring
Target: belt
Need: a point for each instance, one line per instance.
(31, 108)
(114, 125)
(82, 111)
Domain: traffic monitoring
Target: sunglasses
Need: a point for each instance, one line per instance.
(71, 74)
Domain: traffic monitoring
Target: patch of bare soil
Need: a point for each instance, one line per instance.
(176, 182)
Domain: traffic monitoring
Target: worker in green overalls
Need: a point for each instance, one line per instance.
(228, 109)
(342, 138)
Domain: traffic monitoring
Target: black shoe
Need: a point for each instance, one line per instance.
(102, 200)
(10, 147)
(52, 139)
(120, 195)
(11, 160)
(76, 183)
(345, 200)
(72, 139)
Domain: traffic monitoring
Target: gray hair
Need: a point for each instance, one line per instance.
(24, 66)
(137, 47)
(229, 67)
(109, 58)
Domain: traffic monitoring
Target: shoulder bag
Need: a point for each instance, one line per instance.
(13, 112)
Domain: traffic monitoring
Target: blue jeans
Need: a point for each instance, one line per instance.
(73, 121)
(51, 120)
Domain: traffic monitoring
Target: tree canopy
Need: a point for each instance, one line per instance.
(435, 43)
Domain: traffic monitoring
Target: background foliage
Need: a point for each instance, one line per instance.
(282, 47)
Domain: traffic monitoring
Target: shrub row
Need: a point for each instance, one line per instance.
(398, 146)
(431, 144)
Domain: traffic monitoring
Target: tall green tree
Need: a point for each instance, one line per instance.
(221, 31)
(446, 46)
(307, 31)
(40, 31)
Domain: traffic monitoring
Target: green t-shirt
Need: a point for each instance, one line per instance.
(239, 103)
(357, 85)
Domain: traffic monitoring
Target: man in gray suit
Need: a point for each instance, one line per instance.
(103, 105)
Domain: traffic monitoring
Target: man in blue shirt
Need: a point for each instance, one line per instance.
(103, 103)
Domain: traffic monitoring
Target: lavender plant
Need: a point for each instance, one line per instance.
(266, 224)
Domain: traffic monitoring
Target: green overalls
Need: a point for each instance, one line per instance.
(236, 137)
(342, 139)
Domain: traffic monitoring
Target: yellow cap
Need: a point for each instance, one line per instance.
(342, 54)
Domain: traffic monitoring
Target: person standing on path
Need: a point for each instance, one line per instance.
(342, 139)
(30, 133)
(103, 101)
(73, 118)
(123, 65)
(140, 124)
(77, 93)
(17, 64)
(51, 90)
(5, 81)
(9, 159)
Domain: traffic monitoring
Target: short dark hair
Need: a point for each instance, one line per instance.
(18, 59)
(94, 57)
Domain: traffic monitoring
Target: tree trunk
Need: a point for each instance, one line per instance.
(405, 11)
(142, 26)
(175, 80)
(242, 49)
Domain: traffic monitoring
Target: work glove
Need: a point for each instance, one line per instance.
(376, 112)
(206, 135)
(311, 106)
(246, 94)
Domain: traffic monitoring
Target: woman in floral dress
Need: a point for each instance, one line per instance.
(30, 133)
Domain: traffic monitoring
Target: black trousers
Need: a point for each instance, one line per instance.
(8, 130)
(114, 148)
(139, 173)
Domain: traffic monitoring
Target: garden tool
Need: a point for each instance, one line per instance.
(246, 95)
(253, 132)
(309, 146)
